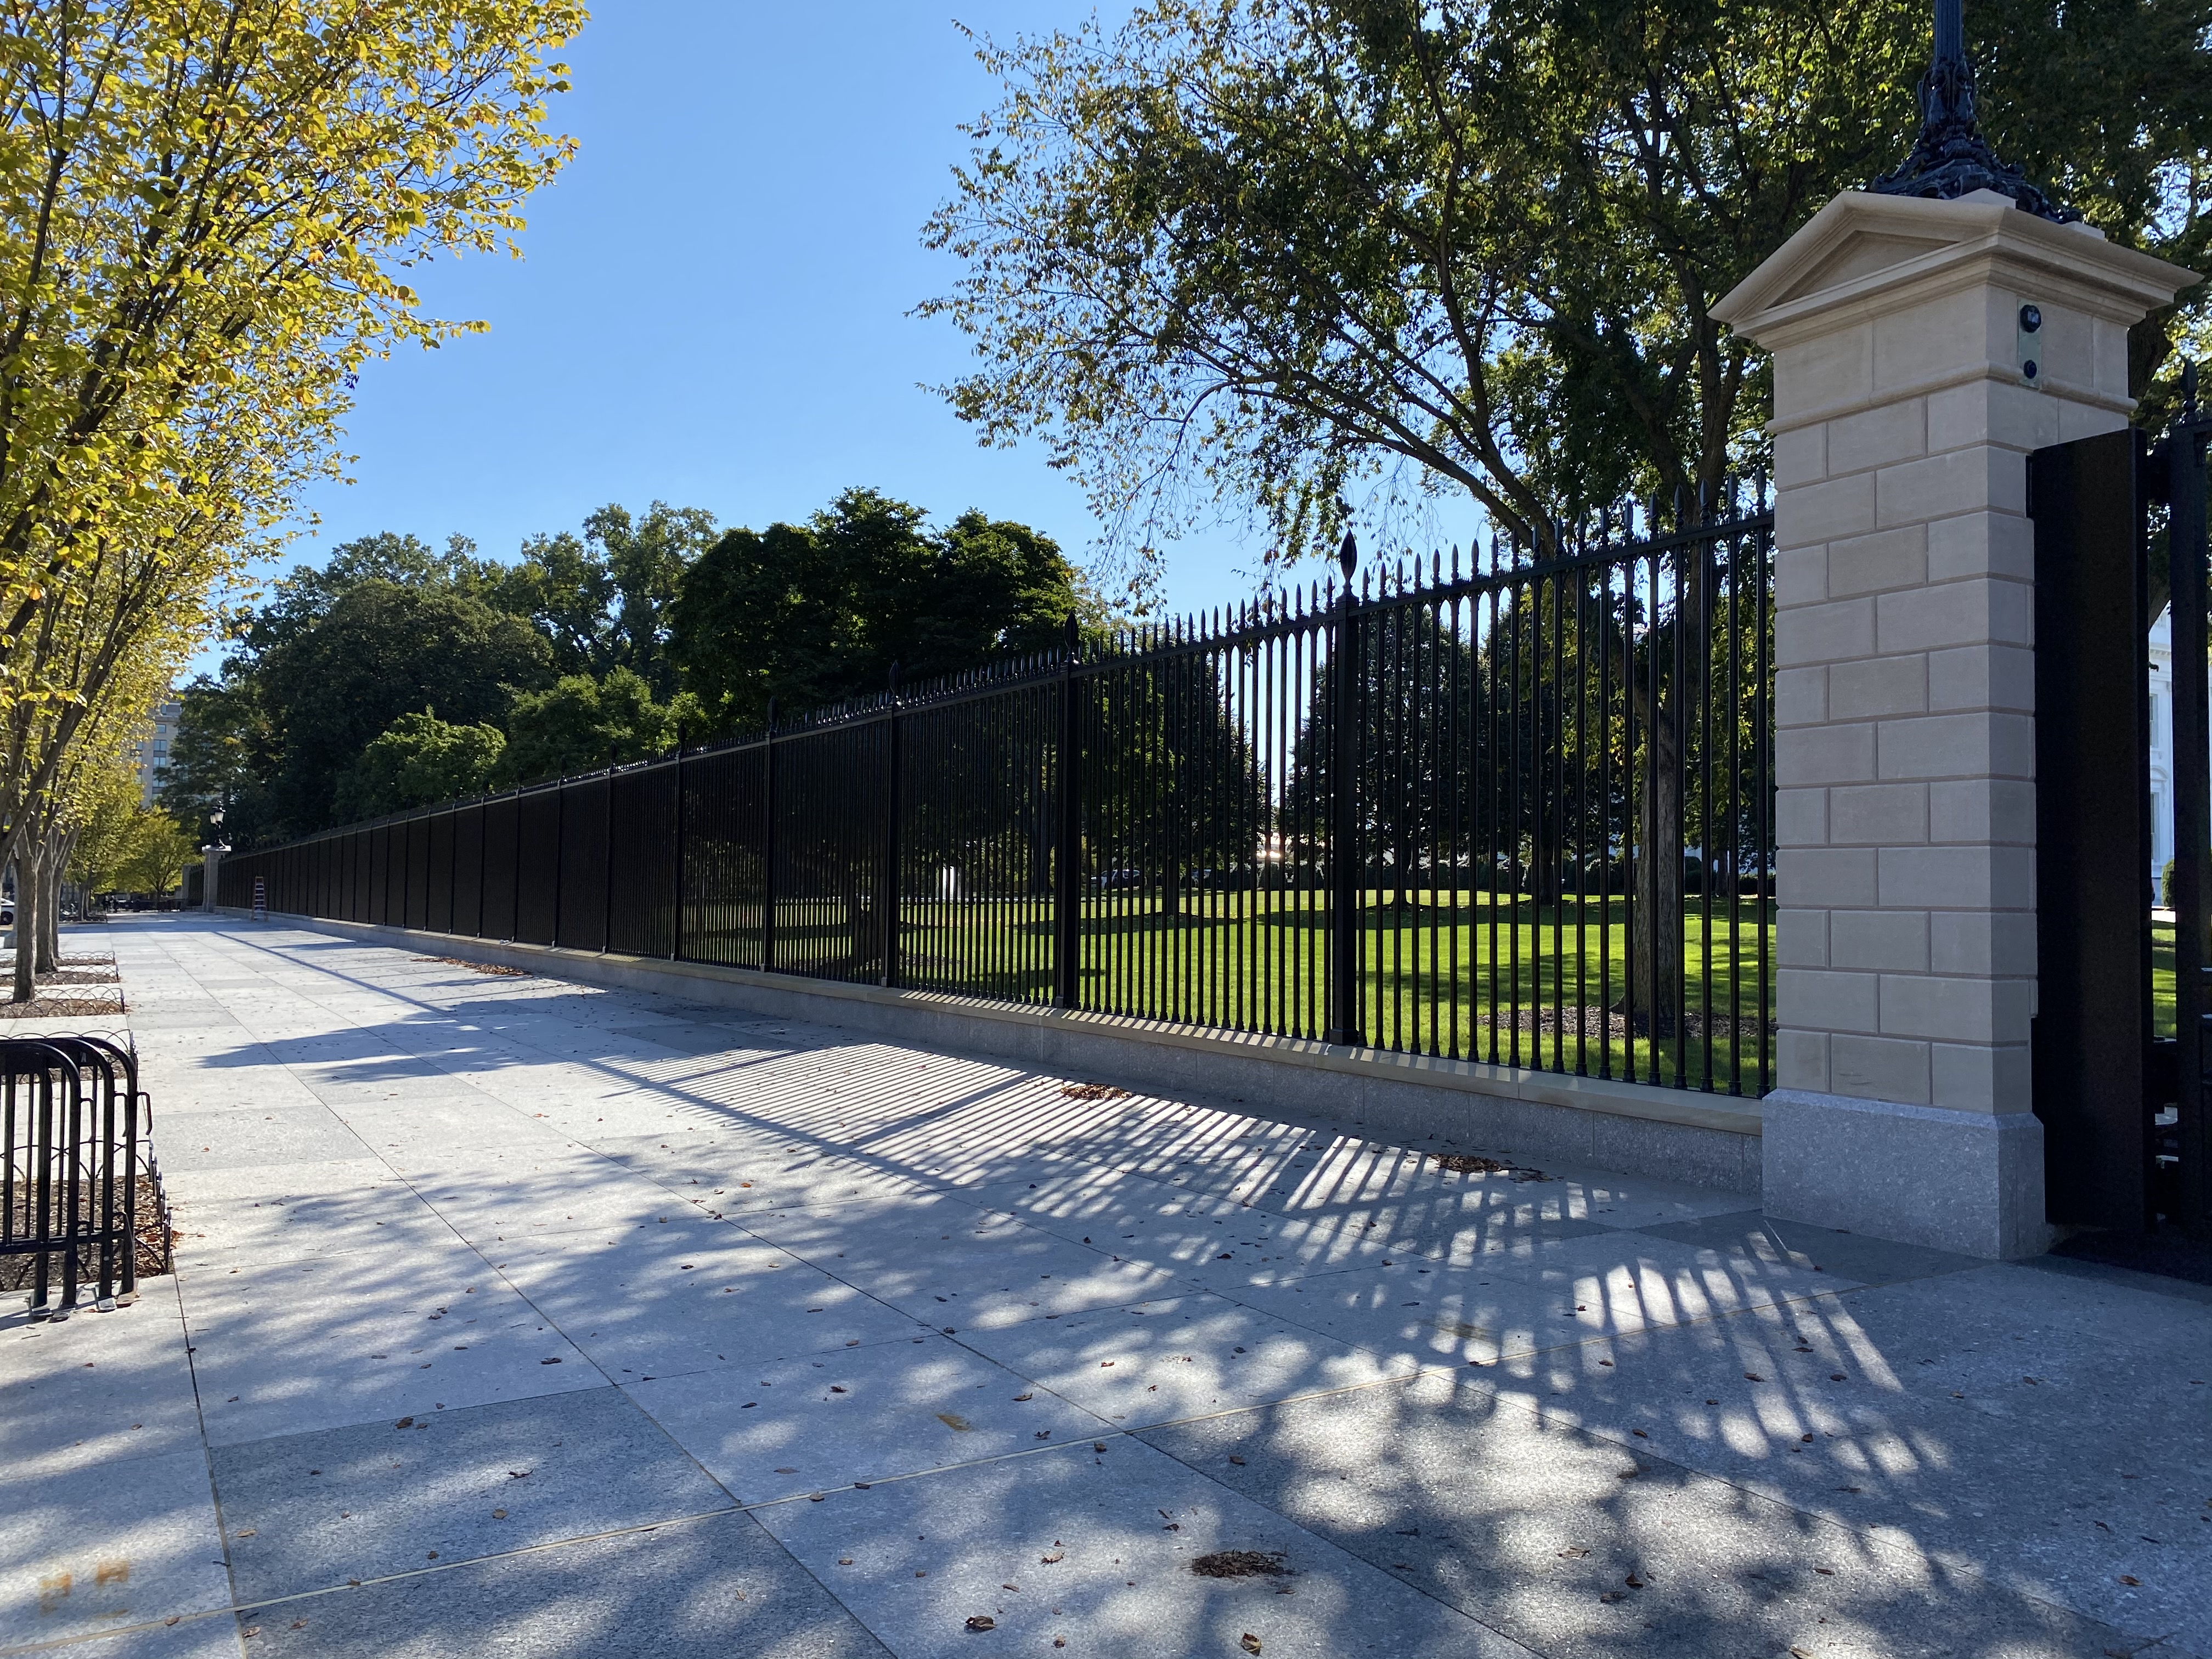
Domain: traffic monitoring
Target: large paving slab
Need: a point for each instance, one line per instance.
(521, 1318)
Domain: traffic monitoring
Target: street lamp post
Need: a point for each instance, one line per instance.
(1951, 159)
(212, 859)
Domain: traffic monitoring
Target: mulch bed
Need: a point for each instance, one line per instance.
(156, 1242)
(78, 986)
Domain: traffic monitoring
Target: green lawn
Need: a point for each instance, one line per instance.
(1443, 974)
(2161, 979)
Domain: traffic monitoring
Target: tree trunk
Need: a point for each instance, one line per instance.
(49, 903)
(26, 919)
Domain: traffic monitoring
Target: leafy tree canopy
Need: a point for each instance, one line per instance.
(304, 599)
(602, 599)
(1261, 254)
(384, 650)
(813, 614)
(225, 754)
(376, 681)
(579, 724)
(207, 216)
(419, 760)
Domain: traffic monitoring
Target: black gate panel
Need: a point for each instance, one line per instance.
(584, 852)
(379, 873)
(538, 866)
(642, 910)
(468, 870)
(725, 863)
(502, 841)
(828, 874)
(415, 890)
(2181, 1125)
(2092, 1025)
(438, 910)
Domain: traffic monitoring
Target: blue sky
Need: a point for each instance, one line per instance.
(713, 307)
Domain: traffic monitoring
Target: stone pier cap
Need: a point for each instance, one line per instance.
(1869, 259)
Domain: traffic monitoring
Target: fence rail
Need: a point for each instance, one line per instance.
(1521, 813)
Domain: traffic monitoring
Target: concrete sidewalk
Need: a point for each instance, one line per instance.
(513, 1318)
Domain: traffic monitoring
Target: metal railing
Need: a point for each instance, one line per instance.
(72, 1122)
(1521, 813)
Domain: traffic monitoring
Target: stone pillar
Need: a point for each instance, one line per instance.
(1905, 691)
(211, 857)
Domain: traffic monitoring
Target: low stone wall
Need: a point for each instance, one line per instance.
(1705, 1140)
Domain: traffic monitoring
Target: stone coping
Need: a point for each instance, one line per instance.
(1648, 1102)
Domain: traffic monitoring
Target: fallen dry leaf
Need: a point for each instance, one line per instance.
(1052, 1556)
(1240, 1564)
(1093, 1092)
(1249, 1641)
(982, 1621)
(2129, 1578)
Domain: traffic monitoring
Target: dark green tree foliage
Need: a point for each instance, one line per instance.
(419, 760)
(581, 651)
(225, 752)
(384, 650)
(580, 724)
(814, 614)
(602, 599)
(1251, 252)
(388, 626)
(304, 599)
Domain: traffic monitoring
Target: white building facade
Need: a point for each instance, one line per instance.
(151, 752)
(2161, 749)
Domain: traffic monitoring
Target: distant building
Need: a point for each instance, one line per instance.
(151, 752)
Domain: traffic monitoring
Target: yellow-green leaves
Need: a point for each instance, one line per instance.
(202, 205)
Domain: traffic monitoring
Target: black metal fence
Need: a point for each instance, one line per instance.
(1521, 813)
(71, 1139)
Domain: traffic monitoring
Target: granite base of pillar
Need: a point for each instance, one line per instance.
(1967, 1181)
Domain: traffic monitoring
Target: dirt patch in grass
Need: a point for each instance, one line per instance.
(1240, 1564)
(1594, 1023)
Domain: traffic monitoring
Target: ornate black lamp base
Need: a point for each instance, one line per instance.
(1951, 158)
